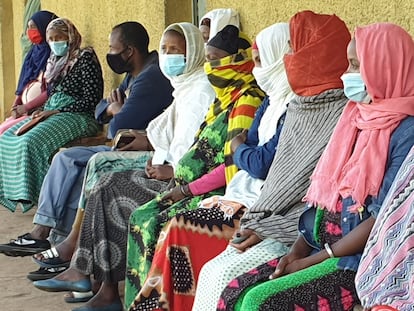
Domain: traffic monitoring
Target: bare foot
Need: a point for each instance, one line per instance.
(107, 294)
(65, 250)
(71, 274)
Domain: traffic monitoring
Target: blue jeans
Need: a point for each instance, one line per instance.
(61, 189)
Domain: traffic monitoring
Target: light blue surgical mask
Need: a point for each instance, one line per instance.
(354, 87)
(59, 48)
(172, 64)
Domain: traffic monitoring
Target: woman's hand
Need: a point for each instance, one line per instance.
(140, 143)
(290, 263)
(248, 239)
(174, 195)
(44, 114)
(160, 172)
(238, 140)
(20, 111)
(297, 259)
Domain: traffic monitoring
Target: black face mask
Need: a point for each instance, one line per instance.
(117, 63)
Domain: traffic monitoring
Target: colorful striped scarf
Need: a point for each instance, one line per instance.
(236, 89)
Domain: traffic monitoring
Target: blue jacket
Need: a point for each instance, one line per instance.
(254, 159)
(402, 139)
(149, 94)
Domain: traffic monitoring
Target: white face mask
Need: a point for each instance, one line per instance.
(263, 77)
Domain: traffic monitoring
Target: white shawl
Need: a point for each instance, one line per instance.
(172, 133)
(220, 18)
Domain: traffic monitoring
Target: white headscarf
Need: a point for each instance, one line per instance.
(220, 18)
(172, 132)
(272, 43)
(271, 77)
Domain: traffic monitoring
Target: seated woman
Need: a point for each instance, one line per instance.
(385, 275)
(349, 185)
(216, 20)
(269, 226)
(75, 84)
(203, 233)
(31, 92)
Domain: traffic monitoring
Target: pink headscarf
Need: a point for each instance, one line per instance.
(353, 163)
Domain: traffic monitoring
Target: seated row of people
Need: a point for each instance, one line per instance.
(328, 133)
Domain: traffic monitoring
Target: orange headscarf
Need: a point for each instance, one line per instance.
(354, 162)
(319, 53)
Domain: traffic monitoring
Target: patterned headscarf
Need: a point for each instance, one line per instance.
(60, 66)
(316, 34)
(236, 89)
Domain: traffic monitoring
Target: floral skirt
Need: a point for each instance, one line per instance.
(188, 241)
(146, 225)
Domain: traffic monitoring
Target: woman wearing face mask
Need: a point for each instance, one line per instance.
(181, 59)
(348, 186)
(31, 90)
(203, 233)
(75, 84)
(385, 276)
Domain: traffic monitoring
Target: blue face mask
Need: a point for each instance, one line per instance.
(172, 64)
(354, 87)
(59, 48)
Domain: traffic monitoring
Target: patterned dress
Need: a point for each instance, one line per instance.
(386, 272)
(238, 97)
(319, 287)
(25, 159)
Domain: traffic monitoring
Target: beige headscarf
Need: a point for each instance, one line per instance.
(60, 66)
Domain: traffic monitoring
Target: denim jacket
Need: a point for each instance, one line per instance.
(402, 139)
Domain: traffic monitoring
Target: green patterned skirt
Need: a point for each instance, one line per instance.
(24, 160)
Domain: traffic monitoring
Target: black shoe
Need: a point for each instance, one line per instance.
(24, 245)
(45, 273)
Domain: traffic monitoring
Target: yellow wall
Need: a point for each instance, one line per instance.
(94, 19)
(7, 63)
(256, 15)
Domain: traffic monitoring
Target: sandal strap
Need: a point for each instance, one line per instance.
(50, 253)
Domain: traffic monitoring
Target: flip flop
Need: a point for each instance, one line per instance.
(78, 297)
(51, 259)
(45, 273)
(24, 245)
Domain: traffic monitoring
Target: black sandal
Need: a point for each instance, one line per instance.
(45, 273)
(24, 245)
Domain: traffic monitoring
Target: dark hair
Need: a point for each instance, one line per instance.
(205, 22)
(134, 34)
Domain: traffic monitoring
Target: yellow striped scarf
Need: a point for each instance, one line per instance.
(236, 89)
